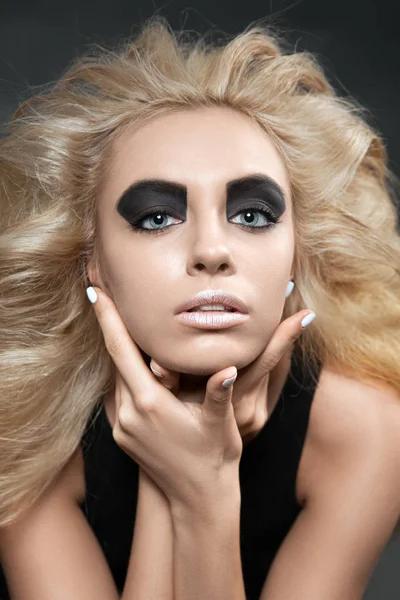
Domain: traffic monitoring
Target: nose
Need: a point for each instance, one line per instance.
(210, 250)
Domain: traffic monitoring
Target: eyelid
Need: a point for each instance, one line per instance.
(245, 204)
(163, 208)
(255, 206)
(252, 203)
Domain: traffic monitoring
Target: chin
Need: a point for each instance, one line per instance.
(205, 368)
(207, 362)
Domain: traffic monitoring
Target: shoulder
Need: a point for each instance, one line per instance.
(349, 488)
(71, 480)
(67, 487)
(352, 422)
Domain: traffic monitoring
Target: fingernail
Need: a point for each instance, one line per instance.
(228, 382)
(91, 294)
(308, 319)
(289, 288)
(157, 373)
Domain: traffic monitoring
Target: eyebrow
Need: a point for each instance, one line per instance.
(234, 187)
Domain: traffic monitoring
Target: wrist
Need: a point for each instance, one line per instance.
(215, 505)
(150, 569)
(151, 491)
(207, 559)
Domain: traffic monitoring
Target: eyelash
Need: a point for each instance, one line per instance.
(274, 221)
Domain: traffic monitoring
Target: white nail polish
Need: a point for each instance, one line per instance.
(308, 319)
(157, 373)
(91, 294)
(289, 288)
(228, 382)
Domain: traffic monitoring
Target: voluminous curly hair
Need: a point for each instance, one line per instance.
(54, 365)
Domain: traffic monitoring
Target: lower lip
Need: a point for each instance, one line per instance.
(212, 319)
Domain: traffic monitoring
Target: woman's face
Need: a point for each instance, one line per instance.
(210, 239)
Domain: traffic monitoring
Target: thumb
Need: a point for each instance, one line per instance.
(218, 397)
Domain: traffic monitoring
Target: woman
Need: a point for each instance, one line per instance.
(158, 177)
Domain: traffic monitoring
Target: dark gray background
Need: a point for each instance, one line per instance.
(357, 41)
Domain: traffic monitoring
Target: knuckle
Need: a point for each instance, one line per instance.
(117, 434)
(146, 403)
(125, 419)
(220, 396)
(268, 363)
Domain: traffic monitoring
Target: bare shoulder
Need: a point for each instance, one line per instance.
(349, 418)
(349, 487)
(68, 485)
(71, 480)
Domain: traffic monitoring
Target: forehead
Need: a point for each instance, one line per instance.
(202, 148)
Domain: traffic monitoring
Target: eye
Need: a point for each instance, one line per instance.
(158, 220)
(267, 215)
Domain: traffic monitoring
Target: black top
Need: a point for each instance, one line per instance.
(267, 472)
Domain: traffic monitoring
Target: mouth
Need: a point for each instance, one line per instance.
(213, 310)
(212, 319)
(213, 300)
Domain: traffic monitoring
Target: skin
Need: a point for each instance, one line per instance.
(149, 275)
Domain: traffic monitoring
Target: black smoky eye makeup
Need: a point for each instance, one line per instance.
(252, 194)
(273, 220)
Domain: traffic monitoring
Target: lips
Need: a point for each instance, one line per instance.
(210, 297)
(212, 320)
(226, 309)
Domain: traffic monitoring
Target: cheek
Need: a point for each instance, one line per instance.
(271, 274)
(270, 278)
(142, 298)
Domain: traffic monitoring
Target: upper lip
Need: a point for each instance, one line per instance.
(207, 297)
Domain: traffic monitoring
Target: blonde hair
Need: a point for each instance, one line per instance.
(54, 366)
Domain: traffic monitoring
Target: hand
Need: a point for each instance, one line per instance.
(259, 385)
(188, 453)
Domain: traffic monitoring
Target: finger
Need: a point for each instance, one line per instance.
(218, 396)
(121, 346)
(278, 375)
(283, 339)
(169, 379)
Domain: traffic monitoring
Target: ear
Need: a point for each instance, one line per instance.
(95, 278)
(94, 274)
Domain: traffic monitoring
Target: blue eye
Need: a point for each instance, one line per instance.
(267, 215)
(158, 219)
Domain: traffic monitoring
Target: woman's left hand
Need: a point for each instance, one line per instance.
(259, 385)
